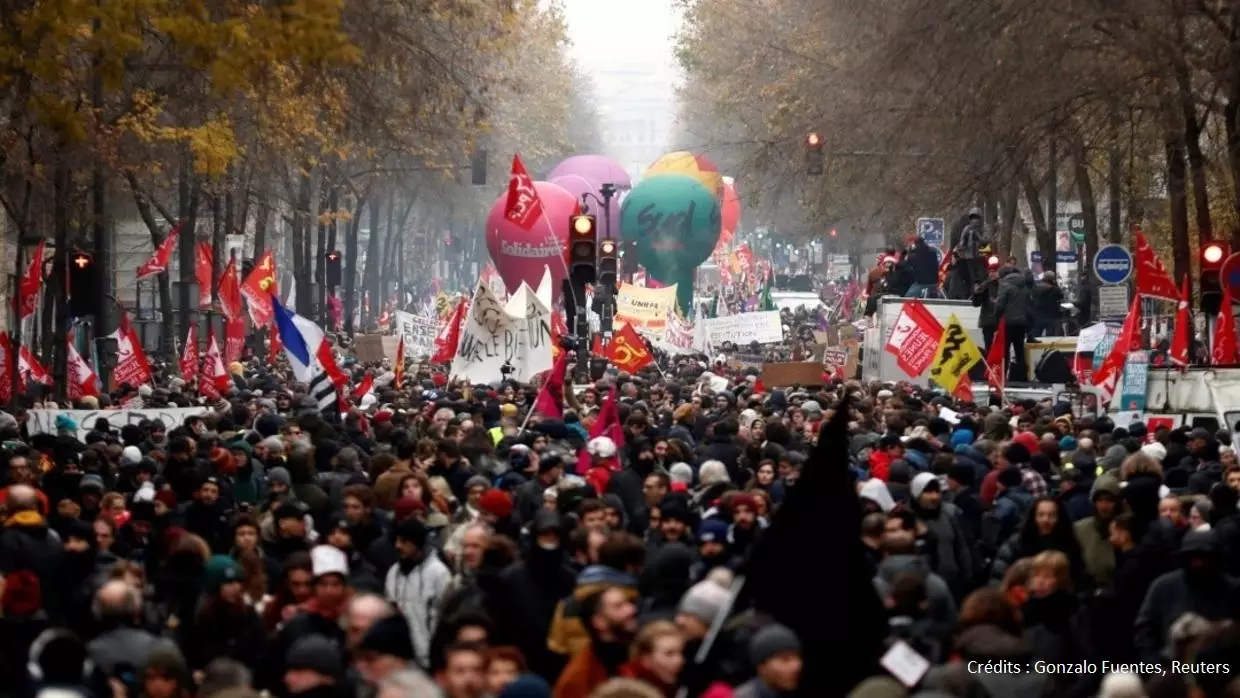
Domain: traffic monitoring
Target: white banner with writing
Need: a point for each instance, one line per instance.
(44, 421)
(419, 332)
(762, 327)
(493, 338)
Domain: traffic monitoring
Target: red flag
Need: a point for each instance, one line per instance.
(158, 262)
(213, 378)
(1179, 341)
(202, 272)
(398, 364)
(914, 338)
(608, 424)
(32, 281)
(132, 366)
(1225, 349)
(234, 339)
(368, 382)
(82, 379)
(1152, 277)
(964, 390)
(597, 347)
(628, 351)
(230, 292)
(258, 289)
(30, 369)
(996, 359)
(449, 336)
(274, 348)
(945, 267)
(6, 356)
(523, 207)
(550, 402)
(189, 357)
(1129, 339)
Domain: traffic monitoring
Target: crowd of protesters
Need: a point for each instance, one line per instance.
(424, 544)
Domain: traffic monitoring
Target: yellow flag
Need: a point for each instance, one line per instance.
(956, 355)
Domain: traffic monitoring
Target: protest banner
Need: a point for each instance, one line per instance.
(761, 327)
(368, 348)
(836, 356)
(679, 332)
(646, 309)
(44, 421)
(419, 332)
(492, 339)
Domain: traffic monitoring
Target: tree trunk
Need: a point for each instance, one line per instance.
(1196, 158)
(145, 206)
(1011, 200)
(370, 286)
(1045, 238)
(320, 257)
(1089, 210)
(350, 264)
(301, 230)
(1052, 204)
(1177, 195)
(1114, 231)
(262, 217)
(60, 210)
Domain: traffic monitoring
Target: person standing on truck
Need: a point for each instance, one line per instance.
(923, 266)
(984, 296)
(1015, 305)
(1047, 297)
(967, 240)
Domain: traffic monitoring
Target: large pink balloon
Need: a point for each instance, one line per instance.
(520, 255)
(597, 168)
(578, 185)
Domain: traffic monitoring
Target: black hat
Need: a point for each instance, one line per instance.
(548, 462)
(288, 510)
(963, 473)
(1017, 453)
(545, 521)
(411, 530)
(389, 636)
(315, 653)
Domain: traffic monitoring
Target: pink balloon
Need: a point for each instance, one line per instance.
(520, 255)
(578, 185)
(598, 168)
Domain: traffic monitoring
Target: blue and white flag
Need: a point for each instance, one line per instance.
(309, 354)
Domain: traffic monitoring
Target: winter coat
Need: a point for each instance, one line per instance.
(984, 298)
(983, 643)
(1171, 596)
(1015, 301)
(1093, 536)
(942, 606)
(953, 557)
(418, 595)
(532, 588)
(568, 635)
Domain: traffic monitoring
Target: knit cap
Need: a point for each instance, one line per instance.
(770, 641)
(704, 601)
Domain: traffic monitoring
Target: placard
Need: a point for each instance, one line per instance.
(419, 332)
(368, 348)
(762, 327)
(495, 345)
(646, 309)
(788, 374)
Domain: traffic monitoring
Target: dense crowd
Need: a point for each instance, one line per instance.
(710, 542)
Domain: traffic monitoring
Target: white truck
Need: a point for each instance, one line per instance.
(1199, 397)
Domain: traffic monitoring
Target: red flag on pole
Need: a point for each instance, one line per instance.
(1179, 341)
(368, 382)
(449, 336)
(202, 272)
(523, 207)
(1152, 277)
(189, 357)
(132, 366)
(159, 259)
(259, 287)
(550, 402)
(996, 359)
(230, 292)
(32, 281)
(82, 379)
(1224, 353)
(1107, 375)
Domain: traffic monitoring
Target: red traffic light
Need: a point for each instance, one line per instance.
(813, 140)
(1213, 253)
(333, 256)
(834, 232)
(81, 260)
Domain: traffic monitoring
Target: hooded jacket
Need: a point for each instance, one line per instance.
(418, 594)
(1015, 301)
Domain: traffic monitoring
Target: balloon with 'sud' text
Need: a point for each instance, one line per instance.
(675, 222)
(695, 165)
(520, 255)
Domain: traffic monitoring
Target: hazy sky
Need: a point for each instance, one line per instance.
(635, 31)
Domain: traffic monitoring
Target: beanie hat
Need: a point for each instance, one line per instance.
(131, 455)
(91, 481)
(1028, 440)
(962, 437)
(477, 481)
(315, 653)
(770, 641)
(389, 636)
(288, 510)
(220, 570)
(23, 594)
(279, 474)
(962, 473)
(704, 601)
(526, 686)
(1067, 443)
(1017, 454)
(327, 559)
(921, 481)
(406, 507)
(411, 530)
(712, 531)
(497, 503)
(675, 508)
(167, 497)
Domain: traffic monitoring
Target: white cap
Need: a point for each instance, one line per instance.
(328, 559)
(131, 456)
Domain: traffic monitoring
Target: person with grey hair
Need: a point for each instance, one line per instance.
(682, 473)
(118, 610)
(361, 613)
(224, 674)
(408, 682)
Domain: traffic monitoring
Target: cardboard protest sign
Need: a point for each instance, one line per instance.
(44, 421)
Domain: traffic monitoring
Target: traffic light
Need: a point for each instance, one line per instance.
(609, 264)
(333, 269)
(582, 249)
(1212, 256)
(814, 157)
(84, 296)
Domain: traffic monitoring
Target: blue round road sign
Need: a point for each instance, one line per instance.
(1229, 274)
(1113, 264)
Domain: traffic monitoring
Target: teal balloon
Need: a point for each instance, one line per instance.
(675, 222)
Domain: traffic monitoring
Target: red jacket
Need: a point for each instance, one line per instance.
(880, 464)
